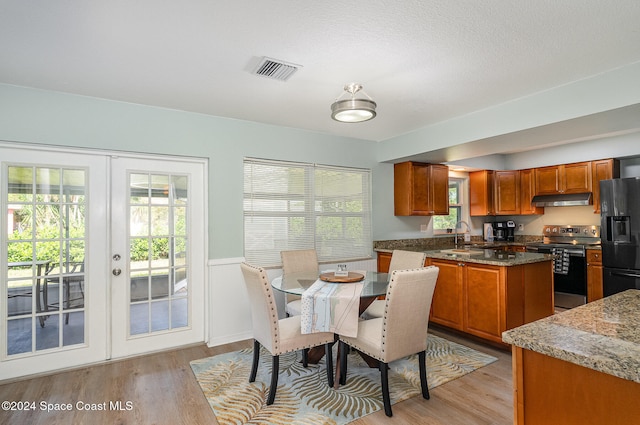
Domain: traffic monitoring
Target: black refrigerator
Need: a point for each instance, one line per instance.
(620, 234)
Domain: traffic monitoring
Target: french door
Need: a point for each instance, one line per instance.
(101, 257)
(157, 262)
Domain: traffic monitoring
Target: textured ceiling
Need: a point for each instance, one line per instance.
(422, 61)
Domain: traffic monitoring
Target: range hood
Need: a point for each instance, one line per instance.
(562, 200)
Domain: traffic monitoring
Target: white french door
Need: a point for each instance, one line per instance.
(70, 221)
(53, 276)
(158, 257)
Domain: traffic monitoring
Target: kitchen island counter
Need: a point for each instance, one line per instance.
(603, 335)
(489, 256)
(486, 292)
(581, 366)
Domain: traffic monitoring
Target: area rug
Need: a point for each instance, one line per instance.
(303, 396)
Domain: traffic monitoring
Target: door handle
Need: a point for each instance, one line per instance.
(622, 274)
(116, 272)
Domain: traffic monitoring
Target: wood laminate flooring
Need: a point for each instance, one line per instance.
(161, 389)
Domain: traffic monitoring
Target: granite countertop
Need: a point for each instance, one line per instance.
(603, 335)
(480, 256)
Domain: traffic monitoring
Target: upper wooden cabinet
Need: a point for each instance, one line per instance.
(506, 195)
(420, 189)
(603, 169)
(527, 190)
(501, 193)
(566, 178)
(481, 193)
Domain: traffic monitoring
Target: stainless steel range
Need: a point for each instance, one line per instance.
(568, 244)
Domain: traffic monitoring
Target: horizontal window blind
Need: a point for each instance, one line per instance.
(291, 206)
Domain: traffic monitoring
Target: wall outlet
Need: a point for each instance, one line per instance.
(520, 227)
(467, 237)
(423, 228)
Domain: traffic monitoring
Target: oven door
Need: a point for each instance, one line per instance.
(570, 284)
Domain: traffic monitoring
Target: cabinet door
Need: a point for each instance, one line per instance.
(484, 301)
(420, 189)
(384, 260)
(527, 190)
(446, 307)
(602, 170)
(410, 192)
(547, 180)
(439, 189)
(594, 275)
(481, 193)
(507, 192)
(577, 177)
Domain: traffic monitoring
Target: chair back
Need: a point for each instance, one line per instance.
(300, 260)
(264, 312)
(402, 260)
(408, 304)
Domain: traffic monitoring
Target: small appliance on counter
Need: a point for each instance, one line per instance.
(504, 231)
(487, 232)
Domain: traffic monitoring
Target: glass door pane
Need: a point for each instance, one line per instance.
(45, 258)
(158, 253)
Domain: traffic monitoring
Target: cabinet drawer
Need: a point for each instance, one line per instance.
(594, 257)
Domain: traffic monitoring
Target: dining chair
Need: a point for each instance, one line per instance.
(400, 260)
(298, 261)
(278, 336)
(401, 332)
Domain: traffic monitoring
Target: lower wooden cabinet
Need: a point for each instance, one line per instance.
(594, 275)
(486, 300)
(447, 305)
(384, 260)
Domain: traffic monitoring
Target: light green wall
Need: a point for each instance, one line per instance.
(36, 116)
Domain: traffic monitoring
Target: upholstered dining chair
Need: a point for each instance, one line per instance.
(400, 260)
(278, 336)
(298, 261)
(402, 330)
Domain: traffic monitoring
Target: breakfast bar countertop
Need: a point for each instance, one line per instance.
(603, 335)
(493, 257)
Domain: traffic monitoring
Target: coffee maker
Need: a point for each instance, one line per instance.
(504, 231)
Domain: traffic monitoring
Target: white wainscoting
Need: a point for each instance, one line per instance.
(229, 310)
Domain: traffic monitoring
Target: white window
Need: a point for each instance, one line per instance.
(291, 206)
(456, 203)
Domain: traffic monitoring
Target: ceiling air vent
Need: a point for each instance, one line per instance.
(275, 69)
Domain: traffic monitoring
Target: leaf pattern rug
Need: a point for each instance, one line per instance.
(303, 396)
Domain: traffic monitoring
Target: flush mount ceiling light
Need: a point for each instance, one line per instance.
(353, 109)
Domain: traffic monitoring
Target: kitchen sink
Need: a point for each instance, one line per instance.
(462, 251)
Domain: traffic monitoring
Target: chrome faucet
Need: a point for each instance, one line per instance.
(457, 233)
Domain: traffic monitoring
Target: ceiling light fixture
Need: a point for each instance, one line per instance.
(353, 109)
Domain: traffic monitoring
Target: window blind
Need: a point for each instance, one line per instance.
(291, 206)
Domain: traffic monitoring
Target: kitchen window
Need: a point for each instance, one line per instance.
(289, 205)
(456, 204)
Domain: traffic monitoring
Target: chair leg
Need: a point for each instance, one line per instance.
(422, 358)
(305, 357)
(343, 362)
(328, 353)
(256, 358)
(384, 375)
(274, 379)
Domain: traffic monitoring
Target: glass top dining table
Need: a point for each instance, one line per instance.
(375, 284)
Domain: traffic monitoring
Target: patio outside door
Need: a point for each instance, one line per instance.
(79, 285)
(158, 254)
(53, 280)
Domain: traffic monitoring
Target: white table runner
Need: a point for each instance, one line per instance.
(331, 307)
